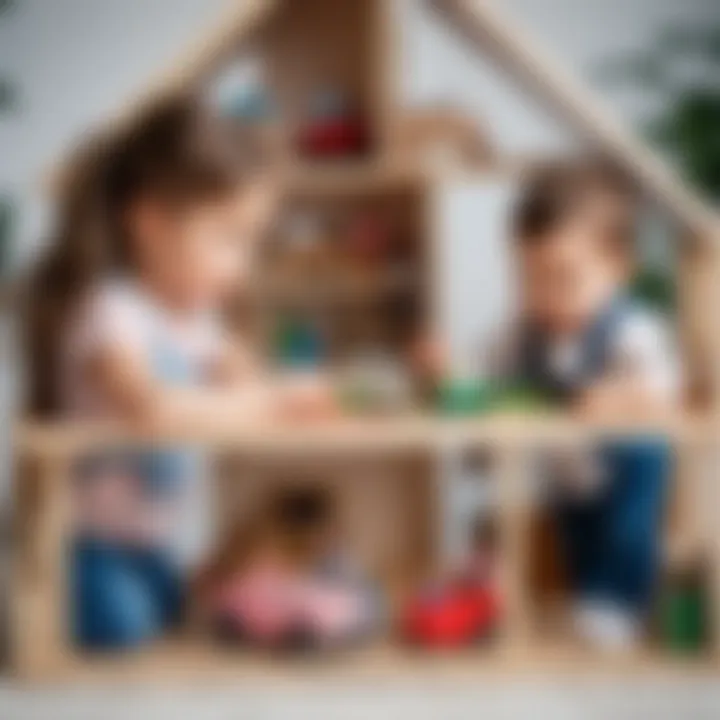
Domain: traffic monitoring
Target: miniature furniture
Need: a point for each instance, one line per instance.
(383, 467)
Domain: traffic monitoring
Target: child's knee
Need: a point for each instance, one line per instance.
(112, 607)
(164, 581)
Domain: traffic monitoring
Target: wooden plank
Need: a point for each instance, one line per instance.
(490, 32)
(199, 662)
(359, 434)
(42, 617)
(514, 509)
(385, 70)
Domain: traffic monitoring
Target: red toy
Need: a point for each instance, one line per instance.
(334, 129)
(334, 137)
(464, 610)
(453, 616)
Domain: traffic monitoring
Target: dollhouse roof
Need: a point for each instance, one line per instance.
(486, 27)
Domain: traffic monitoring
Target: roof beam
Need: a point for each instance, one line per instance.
(490, 32)
(233, 32)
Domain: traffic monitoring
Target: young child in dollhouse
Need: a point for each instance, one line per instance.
(155, 228)
(586, 345)
(284, 581)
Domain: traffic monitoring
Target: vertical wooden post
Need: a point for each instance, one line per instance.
(514, 509)
(714, 525)
(41, 613)
(384, 71)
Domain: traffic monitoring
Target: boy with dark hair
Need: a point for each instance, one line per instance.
(586, 344)
(581, 341)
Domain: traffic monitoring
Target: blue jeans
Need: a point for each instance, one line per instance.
(122, 596)
(612, 542)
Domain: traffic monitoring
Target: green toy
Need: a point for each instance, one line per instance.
(684, 613)
(476, 397)
(519, 397)
(463, 397)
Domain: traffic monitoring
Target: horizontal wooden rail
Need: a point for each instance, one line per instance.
(363, 434)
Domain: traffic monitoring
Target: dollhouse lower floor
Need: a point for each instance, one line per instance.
(533, 638)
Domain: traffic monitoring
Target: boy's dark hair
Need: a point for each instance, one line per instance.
(552, 193)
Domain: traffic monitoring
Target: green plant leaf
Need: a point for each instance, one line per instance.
(6, 6)
(8, 95)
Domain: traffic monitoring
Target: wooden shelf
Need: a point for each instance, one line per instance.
(199, 662)
(333, 285)
(347, 177)
(358, 434)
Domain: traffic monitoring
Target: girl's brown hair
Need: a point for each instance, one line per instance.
(179, 152)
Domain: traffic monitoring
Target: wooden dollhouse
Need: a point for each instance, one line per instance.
(378, 174)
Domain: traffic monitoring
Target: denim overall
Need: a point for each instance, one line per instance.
(611, 540)
(125, 594)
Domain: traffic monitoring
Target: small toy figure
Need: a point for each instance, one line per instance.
(334, 129)
(300, 343)
(368, 238)
(462, 610)
(283, 584)
(683, 610)
(252, 105)
(375, 382)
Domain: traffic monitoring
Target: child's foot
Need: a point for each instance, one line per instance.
(606, 627)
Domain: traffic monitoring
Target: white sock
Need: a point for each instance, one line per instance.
(606, 626)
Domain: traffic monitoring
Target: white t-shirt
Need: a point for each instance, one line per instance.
(113, 505)
(119, 314)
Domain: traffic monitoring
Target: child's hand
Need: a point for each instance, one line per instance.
(618, 400)
(429, 357)
(598, 403)
(307, 397)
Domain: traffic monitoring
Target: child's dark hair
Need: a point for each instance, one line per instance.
(294, 515)
(303, 507)
(178, 152)
(553, 193)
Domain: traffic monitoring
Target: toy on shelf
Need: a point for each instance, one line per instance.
(305, 240)
(467, 396)
(683, 611)
(463, 610)
(520, 398)
(300, 343)
(253, 105)
(462, 397)
(375, 382)
(334, 128)
(283, 583)
(368, 238)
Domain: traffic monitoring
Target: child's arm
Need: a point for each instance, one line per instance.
(125, 379)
